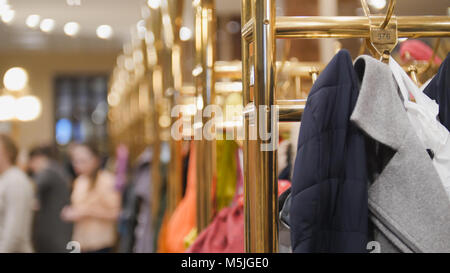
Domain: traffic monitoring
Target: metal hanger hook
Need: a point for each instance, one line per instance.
(389, 12)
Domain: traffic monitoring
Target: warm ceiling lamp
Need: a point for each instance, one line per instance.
(154, 4)
(27, 108)
(377, 4)
(104, 32)
(33, 21)
(8, 15)
(15, 79)
(185, 34)
(71, 29)
(47, 25)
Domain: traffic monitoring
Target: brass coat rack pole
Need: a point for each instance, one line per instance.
(173, 10)
(261, 207)
(151, 74)
(205, 45)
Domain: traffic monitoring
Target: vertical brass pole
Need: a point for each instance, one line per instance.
(174, 9)
(262, 219)
(155, 193)
(205, 82)
(245, 17)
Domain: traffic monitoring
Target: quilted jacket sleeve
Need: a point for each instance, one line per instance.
(329, 187)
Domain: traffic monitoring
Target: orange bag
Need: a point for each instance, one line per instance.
(183, 219)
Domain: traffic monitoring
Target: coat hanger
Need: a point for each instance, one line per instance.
(383, 37)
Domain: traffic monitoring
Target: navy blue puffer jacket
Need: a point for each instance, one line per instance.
(329, 211)
(439, 90)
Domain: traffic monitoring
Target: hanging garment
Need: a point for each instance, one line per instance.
(226, 172)
(408, 203)
(183, 218)
(143, 190)
(284, 204)
(135, 229)
(161, 221)
(128, 219)
(240, 175)
(329, 186)
(438, 90)
(121, 166)
(284, 160)
(225, 234)
(162, 237)
(417, 50)
(423, 117)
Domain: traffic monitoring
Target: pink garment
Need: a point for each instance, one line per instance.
(418, 51)
(121, 166)
(226, 232)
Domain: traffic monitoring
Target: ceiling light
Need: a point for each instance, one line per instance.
(8, 16)
(71, 28)
(4, 6)
(15, 79)
(73, 2)
(185, 34)
(28, 108)
(377, 4)
(33, 21)
(47, 25)
(104, 32)
(154, 4)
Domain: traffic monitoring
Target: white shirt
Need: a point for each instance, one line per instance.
(16, 211)
(423, 115)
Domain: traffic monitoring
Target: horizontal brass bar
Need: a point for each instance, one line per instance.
(354, 26)
(358, 26)
(289, 110)
(188, 90)
(290, 113)
(220, 88)
(231, 70)
(228, 87)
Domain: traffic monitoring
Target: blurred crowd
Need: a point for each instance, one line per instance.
(56, 203)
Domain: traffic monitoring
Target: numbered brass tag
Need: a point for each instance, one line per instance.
(383, 40)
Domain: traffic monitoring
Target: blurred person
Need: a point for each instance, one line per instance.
(16, 201)
(95, 202)
(50, 233)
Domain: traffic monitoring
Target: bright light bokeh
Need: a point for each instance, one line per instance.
(8, 16)
(154, 4)
(33, 21)
(104, 32)
(7, 107)
(28, 108)
(47, 25)
(71, 29)
(15, 79)
(377, 4)
(185, 34)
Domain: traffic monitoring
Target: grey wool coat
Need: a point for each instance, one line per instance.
(408, 205)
